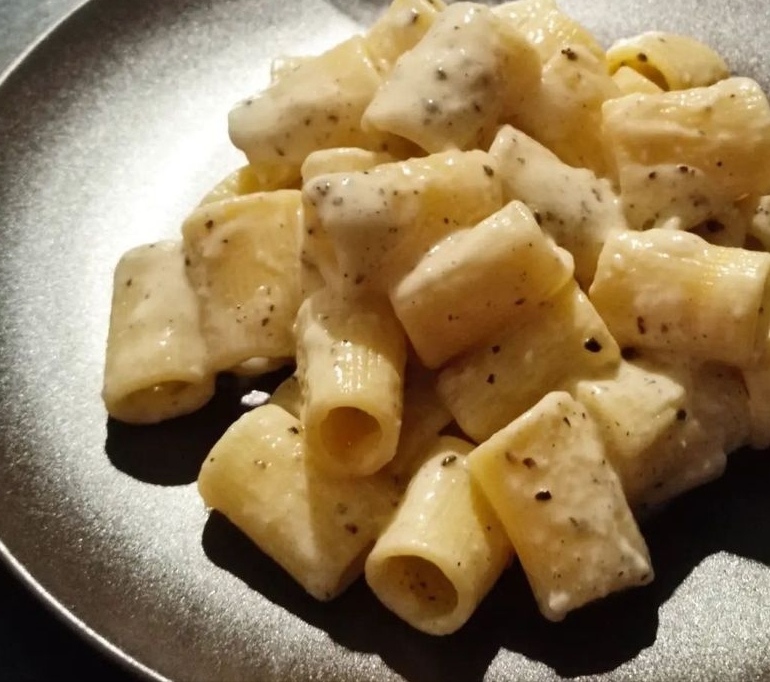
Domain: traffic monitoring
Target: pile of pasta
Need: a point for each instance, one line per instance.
(525, 287)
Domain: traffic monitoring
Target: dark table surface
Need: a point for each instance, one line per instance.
(35, 645)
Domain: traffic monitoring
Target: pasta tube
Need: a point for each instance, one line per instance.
(382, 221)
(723, 129)
(242, 262)
(565, 112)
(547, 27)
(350, 365)
(671, 61)
(241, 181)
(157, 366)
(572, 205)
(666, 429)
(400, 28)
(260, 475)
(673, 291)
(443, 549)
(451, 89)
(563, 339)
(478, 280)
(562, 505)
(316, 105)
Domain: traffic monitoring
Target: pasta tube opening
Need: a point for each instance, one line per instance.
(351, 434)
(416, 589)
(160, 401)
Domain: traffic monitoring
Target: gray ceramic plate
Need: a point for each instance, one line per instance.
(111, 129)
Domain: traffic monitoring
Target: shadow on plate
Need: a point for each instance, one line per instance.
(171, 453)
(722, 516)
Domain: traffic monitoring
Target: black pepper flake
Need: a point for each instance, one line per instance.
(713, 226)
(520, 301)
(359, 278)
(337, 201)
(209, 224)
(489, 170)
(641, 57)
(187, 261)
(495, 349)
(567, 421)
(333, 118)
(415, 17)
(683, 169)
(681, 414)
(652, 175)
(294, 430)
(432, 107)
(265, 321)
(570, 54)
(129, 282)
(592, 345)
(351, 528)
(640, 325)
(543, 495)
(441, 74)
(529, 462)
(449, 459)
(538, 218)
(491, 379)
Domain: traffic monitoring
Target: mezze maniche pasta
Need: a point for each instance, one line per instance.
(473, 219)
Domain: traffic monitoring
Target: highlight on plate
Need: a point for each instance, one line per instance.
(471, 221)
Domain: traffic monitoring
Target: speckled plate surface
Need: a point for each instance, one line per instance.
(109, 131)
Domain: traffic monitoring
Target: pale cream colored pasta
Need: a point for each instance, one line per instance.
(399, 29)
(565, 112)
(680, 197)
(156, 364)
(443, 549)
(261, 476)
(316, 250)
(242, 181)
(242, 257)
(671, 61)
(316, 105)
(757, 380)
(350, 364)
(255, 367)
(451, 90)
(758, 210)
(563, 339)
(547, 27)
(666, 426)
(631, 82)
(723, 130)
(572, 205)
(673, 291)
(562, 505)
(382, 221)
(477, 281)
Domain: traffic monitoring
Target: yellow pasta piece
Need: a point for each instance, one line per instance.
(156, 366)
(350, 364)
(288, 395)
(242, 258)
(631, 82)
(671, 61)
(478, 280)
(261, 476)
(381, 222)
(565, 113)
(451, 89)
(444, 548)
(547, 27)
(316, 105)
(563, 339)
(675, 292)
(399, 29)
(723, 130)
(572, 205)
(547, 477)
(241, 181)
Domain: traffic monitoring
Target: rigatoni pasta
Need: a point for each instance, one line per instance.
(475, 222)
